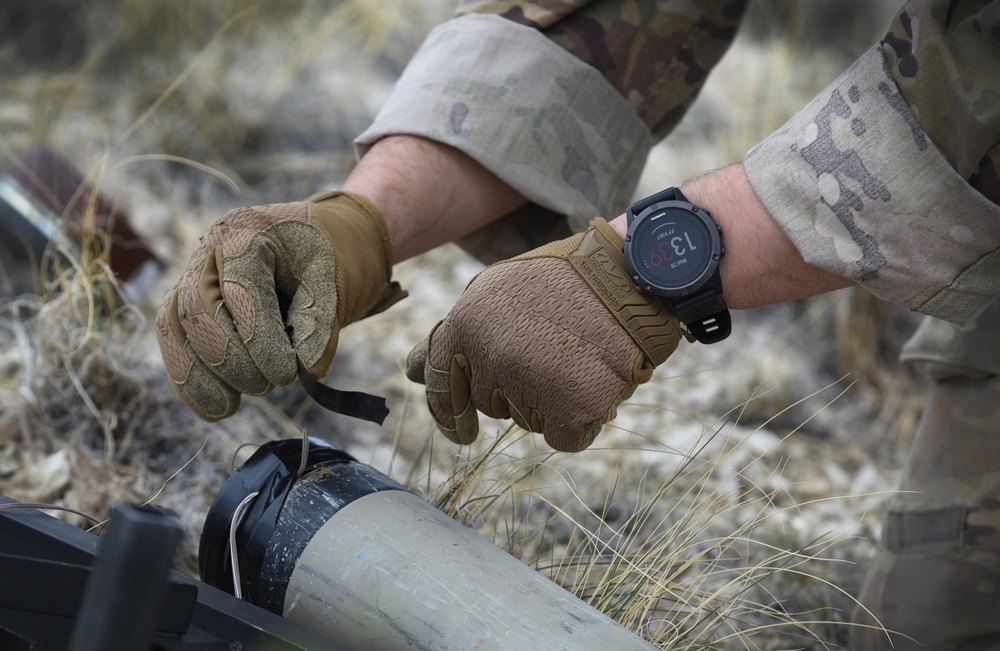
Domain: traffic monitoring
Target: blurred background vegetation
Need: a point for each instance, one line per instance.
(273, 91)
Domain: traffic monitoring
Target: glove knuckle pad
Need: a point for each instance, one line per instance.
(236, 229)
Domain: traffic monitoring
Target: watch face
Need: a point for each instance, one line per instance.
(671, 249)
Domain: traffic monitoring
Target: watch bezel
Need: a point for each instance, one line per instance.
(714, 255)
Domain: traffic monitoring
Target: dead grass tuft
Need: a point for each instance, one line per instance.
(691, 549)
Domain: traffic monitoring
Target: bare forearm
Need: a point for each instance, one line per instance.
(761, 266)
(428, 193)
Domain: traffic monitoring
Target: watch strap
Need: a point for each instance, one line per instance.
(704, 314)
(670, 194)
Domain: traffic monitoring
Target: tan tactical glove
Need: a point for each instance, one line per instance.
(556, 339)
(221, 332)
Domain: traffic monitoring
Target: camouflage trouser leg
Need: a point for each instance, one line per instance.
(937, 575)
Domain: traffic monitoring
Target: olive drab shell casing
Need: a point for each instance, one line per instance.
(354, 557)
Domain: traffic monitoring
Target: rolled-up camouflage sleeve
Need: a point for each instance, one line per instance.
(562, 99)
(889, 176)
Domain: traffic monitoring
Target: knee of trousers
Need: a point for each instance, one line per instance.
(947, 350)
(935, 585)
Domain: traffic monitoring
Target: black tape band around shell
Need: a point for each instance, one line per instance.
(271, 472)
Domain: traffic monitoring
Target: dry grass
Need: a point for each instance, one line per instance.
(695, 532)
(693, 549)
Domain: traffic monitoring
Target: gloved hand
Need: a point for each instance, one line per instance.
(556, 339)
(327, 261)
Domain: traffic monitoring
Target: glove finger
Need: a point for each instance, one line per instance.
(315, 332)
(575, 441)
(530, 420)
(416, 361)
(574, 424)
(212, 333)
(203, 391)
(246, 253)
(579, 435)
(285, 275)
(253, 309)
(500, 405)
(449, 398)
(559, 434)
(449, 392)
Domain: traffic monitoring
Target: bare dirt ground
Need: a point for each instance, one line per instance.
(760, 464)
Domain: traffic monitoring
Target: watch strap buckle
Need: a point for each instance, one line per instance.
(705, 316)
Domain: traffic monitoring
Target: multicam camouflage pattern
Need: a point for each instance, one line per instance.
(528, 96)
(946, 350)
(656, 54)
(945, 59)
(936, 579)
(536, 117)
(889, 175)
(860, 178)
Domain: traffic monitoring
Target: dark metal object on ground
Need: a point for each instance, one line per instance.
(45, 565)
(46, 202)
(129, 580)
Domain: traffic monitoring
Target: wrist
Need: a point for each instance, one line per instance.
(428, 193)
(362, 252)
(761, 265)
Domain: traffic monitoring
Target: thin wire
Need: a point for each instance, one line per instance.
(233, 555)
(305, 457)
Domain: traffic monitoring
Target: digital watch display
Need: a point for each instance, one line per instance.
(675, 250)
(672, 251)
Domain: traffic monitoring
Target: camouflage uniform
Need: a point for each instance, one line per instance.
(890, 176)
(547, 96)
(563, 99)
(937, 574)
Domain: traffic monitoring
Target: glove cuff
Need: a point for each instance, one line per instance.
(357, 232)
(598, 258)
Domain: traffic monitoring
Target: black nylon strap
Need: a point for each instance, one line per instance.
(705, 316)
(355, 404)
(670, 194)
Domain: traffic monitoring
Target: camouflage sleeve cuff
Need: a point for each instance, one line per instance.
(862, 192)
(546, 123)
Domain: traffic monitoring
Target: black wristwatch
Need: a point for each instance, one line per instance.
(672, 251)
